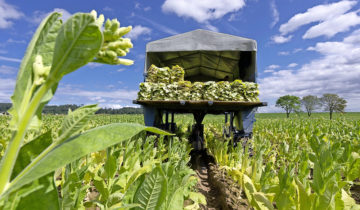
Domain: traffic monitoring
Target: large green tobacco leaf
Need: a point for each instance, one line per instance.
(78, 146)
(256, 199)
(177, 199)
(110, 166)
(354, 169)
(305, 198)
(29, 151)
(262, 201)
(102, 188)
(152, 192)
(139, 172)
(75, 121)
(73, 192)
(78, 42)
(344, 201)
(47, 193)
(133, 188)
(44, 187)
(43, 43)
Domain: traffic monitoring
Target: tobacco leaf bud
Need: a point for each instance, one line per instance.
(101, 53)
(100, 20)
(107, 24)
(123, 31)
(124, 61)
(123, 44)
(111, 54)
(126, 43)
(115, 24)
(114, 45)
(94, 14)
(41, 72)
(39, 80)
(120, 52)
(108, 35)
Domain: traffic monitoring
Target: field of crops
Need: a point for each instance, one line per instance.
(295, 163)
(87, 161)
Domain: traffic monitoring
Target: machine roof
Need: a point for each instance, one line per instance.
(202, 40)
(205, 55)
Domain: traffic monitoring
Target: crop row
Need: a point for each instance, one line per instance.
(294, 164)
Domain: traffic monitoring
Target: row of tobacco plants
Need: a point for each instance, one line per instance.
(69, 166)
(294, 164)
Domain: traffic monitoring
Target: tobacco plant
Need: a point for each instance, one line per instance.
(293, 164)
(56, 49)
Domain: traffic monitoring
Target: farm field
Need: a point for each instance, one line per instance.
(296, 163)
(324, 115)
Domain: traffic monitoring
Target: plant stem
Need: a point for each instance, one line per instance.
(9, 159)
(26, 99)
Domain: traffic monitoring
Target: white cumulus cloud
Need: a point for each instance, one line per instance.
(316, 14)
(297, 50)
(137, 31)
(336, 71)
(284, 53)
(292, 65)
(279, 39)
(6, 89)
(273, 66)
(70, 94)
(10, 59)
(204, 10)
(8, 70)
(274, 13)
(15, 41)
(330, 19)
(8, 13)
(269, 71)
(158, 26)
(333, 26)
(211, 27)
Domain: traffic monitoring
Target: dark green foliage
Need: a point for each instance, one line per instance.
(63, 109)
(333, 103)
(289, 103)
(43, 187)
(310, 103)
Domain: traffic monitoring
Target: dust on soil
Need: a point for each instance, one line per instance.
(220, 192)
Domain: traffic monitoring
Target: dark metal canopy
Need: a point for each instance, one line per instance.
(206, 55)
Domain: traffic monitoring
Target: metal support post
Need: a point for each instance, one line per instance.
(166, 120)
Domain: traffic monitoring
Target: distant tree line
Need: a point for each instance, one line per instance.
(328, 102)
(124, 110)
(63, 109)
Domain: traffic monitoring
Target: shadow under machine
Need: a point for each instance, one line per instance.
(204, 56)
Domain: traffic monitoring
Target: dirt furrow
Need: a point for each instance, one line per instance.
(220, 192)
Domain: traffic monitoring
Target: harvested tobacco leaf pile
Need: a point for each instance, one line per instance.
(169, 84)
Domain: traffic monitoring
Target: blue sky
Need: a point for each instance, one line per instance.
(304, 47)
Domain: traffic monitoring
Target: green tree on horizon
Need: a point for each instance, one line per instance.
(310, 103)
(333, 102)
(289, 103)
